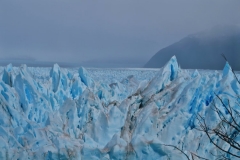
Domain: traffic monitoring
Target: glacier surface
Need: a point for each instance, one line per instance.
(61, 113)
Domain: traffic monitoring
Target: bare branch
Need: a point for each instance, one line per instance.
(231, 69)
(206, 130)
(177, 149)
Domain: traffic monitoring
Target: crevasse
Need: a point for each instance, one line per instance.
(76, 117)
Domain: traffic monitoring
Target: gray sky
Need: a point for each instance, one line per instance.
(106, 33)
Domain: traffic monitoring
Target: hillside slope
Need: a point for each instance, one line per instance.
(203, 50)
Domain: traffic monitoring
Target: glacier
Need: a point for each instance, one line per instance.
(71, 115)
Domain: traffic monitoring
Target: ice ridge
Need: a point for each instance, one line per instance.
(75, 117)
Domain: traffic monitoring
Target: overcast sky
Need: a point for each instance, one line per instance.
(105, 33)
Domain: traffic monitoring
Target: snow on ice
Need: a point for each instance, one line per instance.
(83, 113)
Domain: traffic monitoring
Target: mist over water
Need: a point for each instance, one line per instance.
(204, 50)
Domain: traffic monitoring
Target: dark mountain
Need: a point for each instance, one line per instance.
(203, 50)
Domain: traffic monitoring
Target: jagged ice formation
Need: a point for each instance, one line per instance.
(75, 117)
